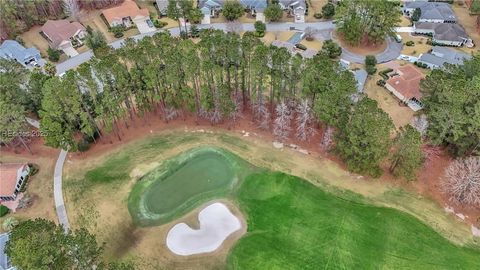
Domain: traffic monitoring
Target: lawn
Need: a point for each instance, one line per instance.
(183, 183)
(295, 225)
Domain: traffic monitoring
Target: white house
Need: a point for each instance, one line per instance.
(449, 34)
(405, 85)
(64, 35)
(211, 8)
(439, 56)
(296, 8)
(12, 177)
(12, 50)
(433, 12)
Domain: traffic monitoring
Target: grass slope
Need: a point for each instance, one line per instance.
(294, 225)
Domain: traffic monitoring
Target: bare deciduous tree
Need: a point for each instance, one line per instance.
(71, 8)
(462, 181)
(327, 139)
(170, 114)
(309, 32)
(420, 123)
(234, 27)
(304, 121)
(261, 113)
(236, 113)
(282, 123)
(430, 152)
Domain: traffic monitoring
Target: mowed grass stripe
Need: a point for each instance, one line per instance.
(295, 225)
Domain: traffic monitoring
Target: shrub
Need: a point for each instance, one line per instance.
(53, 55)
(410, 43)
(332, 49)
(260, 26)
(159, 24)
(318, 15)
(301, 47)
(381, 83)
(371, 70)
(232, 10)
(3, 210)
(117, 31)
(33, 169)
(328, 10)
(83, 145)
(194, 32)
(384, 73)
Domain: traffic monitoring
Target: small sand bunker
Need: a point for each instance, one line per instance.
(216, 224)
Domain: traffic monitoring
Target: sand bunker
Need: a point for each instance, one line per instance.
(216, 224)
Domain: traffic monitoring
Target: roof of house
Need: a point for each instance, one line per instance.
(4, 261)
(61, 30)
(127, 9)
(258, 5)
(162, 5)
(441, 55)
(294, 4)
(444, 31)
(407, 82)
(12, 49)
(433, 10)
(8, 177)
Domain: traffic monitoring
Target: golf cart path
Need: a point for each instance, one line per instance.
(57, 183)
(58, 193)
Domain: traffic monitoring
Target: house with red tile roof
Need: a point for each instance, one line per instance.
(128, 14)
(64, 35)
(405, 85)
(12, 177)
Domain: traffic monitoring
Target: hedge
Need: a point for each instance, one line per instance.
(3, 210)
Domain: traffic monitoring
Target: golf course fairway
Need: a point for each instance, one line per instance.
(291, 223)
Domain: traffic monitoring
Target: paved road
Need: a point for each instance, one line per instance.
(58, 193)
(392, 52)
(84, 57)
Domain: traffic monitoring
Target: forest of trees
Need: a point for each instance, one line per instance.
(17, 16)
(220, 79)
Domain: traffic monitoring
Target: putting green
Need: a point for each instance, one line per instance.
(183, 183)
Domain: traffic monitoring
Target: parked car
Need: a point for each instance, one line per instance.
(398, 38)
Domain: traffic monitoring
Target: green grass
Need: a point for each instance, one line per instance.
(183, 183)
(295, 225)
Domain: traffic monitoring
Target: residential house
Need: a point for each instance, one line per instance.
(405, 85)
(433, 12)
(449, 34)
(128, 14)
(162, 6)
(5, 263)
(211, 8)
(12, 50)
(12, 177)
(64, 35)
(295, 8)
(439, 56)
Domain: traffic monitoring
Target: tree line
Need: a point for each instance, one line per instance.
(220, 79)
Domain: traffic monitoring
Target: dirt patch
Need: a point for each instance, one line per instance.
(277, 35)
(315, 6)
(469, 22)
(420, 46)
(401, 114)
(92, 18)
(362, 49)
(314, 44)
(32, 38)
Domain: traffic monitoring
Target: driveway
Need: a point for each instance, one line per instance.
(143, 27)
(70, 51)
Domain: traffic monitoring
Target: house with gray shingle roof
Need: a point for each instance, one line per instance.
(211, 8)
(27, 57)
(443, 33)
(5, 263)
(296, 8)
(439, 56)
(434, 12)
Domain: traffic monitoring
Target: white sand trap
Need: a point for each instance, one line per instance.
(216, 224)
